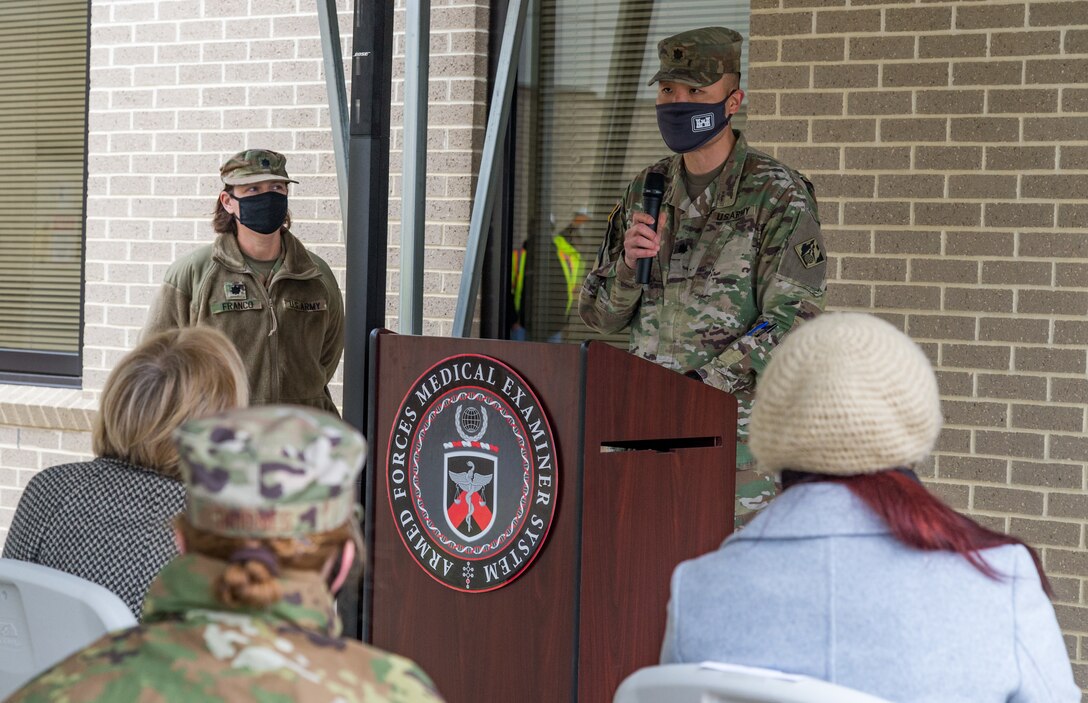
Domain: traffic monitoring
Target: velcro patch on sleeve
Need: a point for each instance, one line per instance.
(804, 259)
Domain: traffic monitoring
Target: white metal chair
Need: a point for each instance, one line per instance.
(711, 682)
(46, 615)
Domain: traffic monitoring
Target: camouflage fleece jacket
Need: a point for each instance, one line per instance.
(747, 251)
(191, 648)
(290, 334)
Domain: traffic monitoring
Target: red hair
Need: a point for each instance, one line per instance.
(920, 520)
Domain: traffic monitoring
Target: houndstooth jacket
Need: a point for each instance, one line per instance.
(107, 521)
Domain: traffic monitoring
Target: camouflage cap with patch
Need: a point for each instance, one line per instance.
(270, 471)
(699, 57)
(254, 166)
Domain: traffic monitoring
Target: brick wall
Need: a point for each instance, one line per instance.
(948, 142)
(177, 86)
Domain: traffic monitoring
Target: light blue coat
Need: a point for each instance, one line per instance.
(817, 585)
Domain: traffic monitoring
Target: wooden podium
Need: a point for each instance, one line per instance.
(646, 471)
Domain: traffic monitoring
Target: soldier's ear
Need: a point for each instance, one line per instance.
(341, 569)
(179, 540)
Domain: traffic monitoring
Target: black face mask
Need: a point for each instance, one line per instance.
(264, 213)
(687, 126)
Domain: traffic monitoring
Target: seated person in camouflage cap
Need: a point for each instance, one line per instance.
(737, 254)
(279, 303)
(108, 520)
(247, 612)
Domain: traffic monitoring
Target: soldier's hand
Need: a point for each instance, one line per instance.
(640, 240)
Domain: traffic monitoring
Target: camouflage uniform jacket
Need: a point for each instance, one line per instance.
(191, 648)
(747, 251)
(290, 334)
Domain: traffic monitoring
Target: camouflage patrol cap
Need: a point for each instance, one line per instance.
(254, 166)
(270, 471)
(699, 57)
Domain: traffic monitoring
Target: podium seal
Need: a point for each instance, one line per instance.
(471, 473)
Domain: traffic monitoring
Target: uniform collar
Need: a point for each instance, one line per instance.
(296, 262)
(813, 510)
(727, 184)
(185, 585)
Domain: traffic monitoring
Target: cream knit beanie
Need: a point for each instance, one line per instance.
(845, 394)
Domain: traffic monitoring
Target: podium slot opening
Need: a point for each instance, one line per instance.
(660, 445)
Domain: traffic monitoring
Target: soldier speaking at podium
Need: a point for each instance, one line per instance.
(737, 257)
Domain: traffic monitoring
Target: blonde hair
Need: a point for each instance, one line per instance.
(251, 582)
(169, 378)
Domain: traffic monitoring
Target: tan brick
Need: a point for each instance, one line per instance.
(1055, 129)
(957, 496)
(975, 413)
(941, 158)
(790, 4)
(907, 242)
(954, 383)
(804, 50)
(1052, 245)
(975, 356)
(1063, 187)
(982, 186)
(778, 77)
(873, 269)
(1073, 563)
(835, 185)
(1046, 532)
(958, 46)
(1072, 505)
(1007, 500)
(979, 299)
(777, 24)
(1071, 332)
(972, 468)
(914, 129)
(917, 19)
(762, 104)
(1064, 302)
(1019, 215)
(765, 4)
(1076, 41)
(1012, 387)
(943, 271)
(1055, 418)
(989, 15)
(1057, 71)
(1075, 216)
(1074, 158)
(880, 158)
(847, 21)
(928, 74)
(1020, 158)
(810, 158)
(1069, 390)
(947, 214)
(763, 51)
(773, 130)
(1057, 14)
(942, 327)
(985, 129)
(1021, 43)
(979, 243)
(1026, 445)
(1048, 474)
(840, 131)
(812, 103)
(987, 73)
(910, 186)
(846, 295)
(1014, 329)
(877, 213)
(1042, 359)
(894, 297)
(881, 102)
(1023, 100)
(862, 75)
(880, 48)
(844, 241)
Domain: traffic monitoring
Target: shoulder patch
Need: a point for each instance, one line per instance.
(810, 252)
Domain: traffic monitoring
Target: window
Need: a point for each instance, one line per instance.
(584, 126)
(43, 137)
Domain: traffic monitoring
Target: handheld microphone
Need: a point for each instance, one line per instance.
(652, 192)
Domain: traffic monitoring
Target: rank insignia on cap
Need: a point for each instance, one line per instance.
(265, 163)
(235, 290)
(810, 253)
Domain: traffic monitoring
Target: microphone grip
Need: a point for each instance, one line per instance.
(652, 206)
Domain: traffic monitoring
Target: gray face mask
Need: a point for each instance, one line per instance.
(687, 126)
